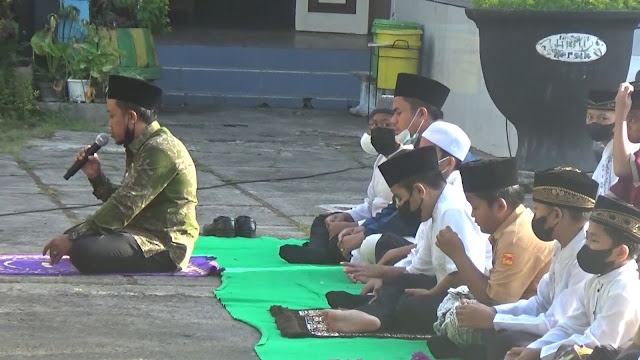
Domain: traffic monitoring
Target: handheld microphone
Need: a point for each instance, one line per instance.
(101, 140)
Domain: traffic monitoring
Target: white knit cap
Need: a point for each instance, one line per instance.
(448, 137)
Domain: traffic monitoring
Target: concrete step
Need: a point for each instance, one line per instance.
(263, 58)
(290, 102)
(195, 75)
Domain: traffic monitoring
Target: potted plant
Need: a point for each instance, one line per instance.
(52, 79)
(131, 25)
(79, 81)
(92, 60)
(540, 58)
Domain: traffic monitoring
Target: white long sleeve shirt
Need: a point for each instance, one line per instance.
(453, 210)
(455, 180)
(557, 294)
(379, 195)
(608, 313)
(604, 174)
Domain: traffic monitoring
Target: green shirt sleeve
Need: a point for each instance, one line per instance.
(152, 169)
(81, 229)
(103, 188)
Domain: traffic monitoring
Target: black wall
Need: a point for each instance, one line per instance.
(238, 14)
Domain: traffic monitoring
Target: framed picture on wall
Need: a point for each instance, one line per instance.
(333, 6)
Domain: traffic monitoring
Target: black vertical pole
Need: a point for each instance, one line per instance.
(41, 11)
(24, 14)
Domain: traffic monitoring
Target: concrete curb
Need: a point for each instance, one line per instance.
(91, 112)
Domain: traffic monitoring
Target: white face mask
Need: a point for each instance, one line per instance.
(440, 163)
(405, 136)
(365, 142)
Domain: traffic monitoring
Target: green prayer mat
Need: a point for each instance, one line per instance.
(243, 252)
(256, 278)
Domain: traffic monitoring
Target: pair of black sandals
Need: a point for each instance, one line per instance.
(224, 226)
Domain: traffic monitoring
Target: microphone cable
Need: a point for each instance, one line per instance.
(230, 183)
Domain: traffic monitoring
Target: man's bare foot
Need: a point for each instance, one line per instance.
(350, 321)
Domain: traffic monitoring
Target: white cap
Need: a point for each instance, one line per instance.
(448, 137)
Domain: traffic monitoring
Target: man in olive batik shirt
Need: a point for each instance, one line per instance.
(148, 223)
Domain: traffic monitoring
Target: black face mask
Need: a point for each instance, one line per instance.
(128, 137)
(594, 261)
(384, 141)
(408, 216)
(599, 132)
(543, 233)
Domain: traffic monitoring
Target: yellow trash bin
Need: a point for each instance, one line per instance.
(399, 54)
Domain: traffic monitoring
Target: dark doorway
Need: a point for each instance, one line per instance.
(234, 14)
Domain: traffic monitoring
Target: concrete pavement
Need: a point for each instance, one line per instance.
(118, 317)
(137, 317)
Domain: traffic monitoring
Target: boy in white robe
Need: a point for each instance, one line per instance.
(608, 311)
(563, 199)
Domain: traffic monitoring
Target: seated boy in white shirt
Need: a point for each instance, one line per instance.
(608, 312)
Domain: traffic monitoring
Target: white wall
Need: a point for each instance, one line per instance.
(450, 55)
(339, 23)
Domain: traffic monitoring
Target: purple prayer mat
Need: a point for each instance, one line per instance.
(39, 265)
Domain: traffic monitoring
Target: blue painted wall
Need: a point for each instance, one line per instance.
(68, 28)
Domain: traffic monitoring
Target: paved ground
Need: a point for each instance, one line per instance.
(117, 317)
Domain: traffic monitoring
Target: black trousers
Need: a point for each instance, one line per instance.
(116, 253)
(389, 241)
(324, 247)
(405, 313)
(497, 344)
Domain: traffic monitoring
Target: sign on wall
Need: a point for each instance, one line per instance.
(333, 6)
(335, 16)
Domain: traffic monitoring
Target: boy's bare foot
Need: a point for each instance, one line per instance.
(350, 321)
